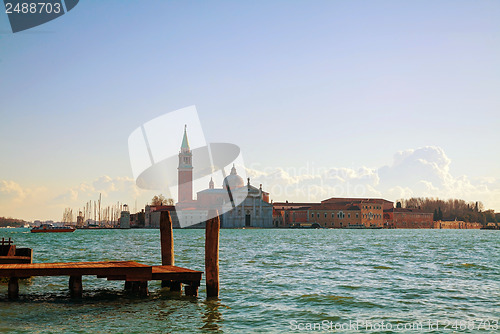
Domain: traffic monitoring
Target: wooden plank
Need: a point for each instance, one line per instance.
(160, 269)
(117, 278)
(176, 274)
(77, 269)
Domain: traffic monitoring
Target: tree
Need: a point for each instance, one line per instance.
(489, 216)
(398, 205)
(435, 216)
(161, 200)
(440, 214)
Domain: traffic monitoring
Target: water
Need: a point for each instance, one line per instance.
(271, 281)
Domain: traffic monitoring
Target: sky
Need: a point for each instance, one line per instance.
(383, 99)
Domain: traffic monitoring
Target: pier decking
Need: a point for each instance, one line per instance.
(135, 275)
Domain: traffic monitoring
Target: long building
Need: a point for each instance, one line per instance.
(350, 213)
(332, 213)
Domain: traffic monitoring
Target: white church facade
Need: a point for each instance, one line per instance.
(253, 209)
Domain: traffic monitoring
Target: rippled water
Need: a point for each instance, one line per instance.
(269, 279)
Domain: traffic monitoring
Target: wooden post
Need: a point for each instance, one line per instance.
(140, 288)
(128, 285)
(167, 239)
(143, 289)
(175, 286)
(13, 288)
(191, 290)
(167, 244)
(75, 286)
(212, 254)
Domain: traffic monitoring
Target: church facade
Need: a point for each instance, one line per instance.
(242, 205)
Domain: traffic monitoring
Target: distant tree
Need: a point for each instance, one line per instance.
(439, 214)
(451, 209)
(398, 205)
(161, 200)
(489, 216)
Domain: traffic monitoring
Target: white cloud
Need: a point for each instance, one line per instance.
(48, 203)
(14, 198)
(315, 184)
(10, 190)
(421, 172)
(110, 188)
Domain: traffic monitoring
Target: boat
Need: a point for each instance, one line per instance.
(491, 226)
(306, 225)
(356, 226)
(48, 228)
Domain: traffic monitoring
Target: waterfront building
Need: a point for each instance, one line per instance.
(332, 213)
(124, 217)
(152, 215)
(80, 220)
(408, 218)
(137, 219)
(457, 224)
(254, 209)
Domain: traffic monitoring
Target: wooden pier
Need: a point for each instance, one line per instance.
(134, 274)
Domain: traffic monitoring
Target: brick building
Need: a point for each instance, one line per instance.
(456, 224)
(408, 218)
(332, 213)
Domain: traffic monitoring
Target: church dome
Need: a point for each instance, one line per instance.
(233, 180)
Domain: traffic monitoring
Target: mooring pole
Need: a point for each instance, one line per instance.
(75, 286)
(167, 247)
(13, 291)
(212, 254)
(167, 239)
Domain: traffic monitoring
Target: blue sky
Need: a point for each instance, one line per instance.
(338, 85)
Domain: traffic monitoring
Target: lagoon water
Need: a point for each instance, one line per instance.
(271, 281)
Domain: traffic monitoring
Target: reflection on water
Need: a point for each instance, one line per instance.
(212, 317)
(268, 279)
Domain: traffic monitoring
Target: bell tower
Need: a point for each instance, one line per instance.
(185, 171)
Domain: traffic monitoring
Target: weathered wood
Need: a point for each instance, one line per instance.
(166, 239)
(175, 286)
(14, 259)
(212, 254)
(75, 286)
(134, 274)
(191, 290)
(166, 242)
(13, 288)
(131, 270)
(171, 273)
(140, 288)
(128, 285)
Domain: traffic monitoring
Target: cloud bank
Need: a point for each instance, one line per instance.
(421, 172)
